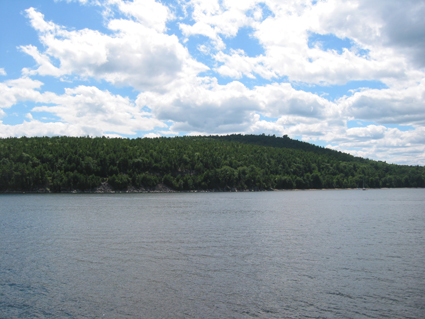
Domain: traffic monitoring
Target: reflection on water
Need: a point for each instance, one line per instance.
(318, 254)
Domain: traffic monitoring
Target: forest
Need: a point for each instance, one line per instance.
(208, 163)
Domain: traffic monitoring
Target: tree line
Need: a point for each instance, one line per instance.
(255, 162)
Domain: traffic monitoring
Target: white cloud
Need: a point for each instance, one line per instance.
(283, 99)
(14, 91)
(310, 129)
(285, 36)
(152, 135)
(237, 65)
(2, 71)
(216, 19)
(389, 106)
(45, 66)
(266, 127)
(203, 106)
(38, 23)
(37, 128)
(149, 13)
(83, 109)
(95, 111)
(201, 28)
(370, 132)
(370, 26)
(382, 143)
(134, 55)
(207, 107)
(401, 26)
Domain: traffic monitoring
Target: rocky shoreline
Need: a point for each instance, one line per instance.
(105, 188)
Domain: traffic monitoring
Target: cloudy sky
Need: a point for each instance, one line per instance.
(348, 75)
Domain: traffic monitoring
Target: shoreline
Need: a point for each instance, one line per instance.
(169, 190)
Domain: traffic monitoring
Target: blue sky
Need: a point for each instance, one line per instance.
(344, 75)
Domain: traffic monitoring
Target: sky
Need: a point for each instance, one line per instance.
(346, 75)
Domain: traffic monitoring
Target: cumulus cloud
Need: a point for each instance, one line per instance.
(134, 55)
(204, 106)
(2, 71)
(401, 26)
(382, 143)
(95, 111)
(148, 13)
(152, 135)
(37, 128)
(14, 91)
(236, 65)
(207, 107)
(45, 66)
(217, 19)
(367, 133)
(373, 27)
(389, 106)
(283, 99)
(82, 111)
(294, 126)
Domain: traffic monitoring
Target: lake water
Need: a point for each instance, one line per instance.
(293, 254)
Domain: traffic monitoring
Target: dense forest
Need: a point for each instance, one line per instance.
(223, 163)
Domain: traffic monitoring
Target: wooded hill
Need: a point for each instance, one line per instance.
(255, 162)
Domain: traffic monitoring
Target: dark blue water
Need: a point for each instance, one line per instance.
(306, 254)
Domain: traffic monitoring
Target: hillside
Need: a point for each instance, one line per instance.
(242, 162)
(286, 142)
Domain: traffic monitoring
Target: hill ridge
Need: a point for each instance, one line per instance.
(243, 162)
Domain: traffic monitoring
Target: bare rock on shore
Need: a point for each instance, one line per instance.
(104, 188)
(163, 188)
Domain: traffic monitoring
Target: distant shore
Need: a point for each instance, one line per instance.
(161, 188)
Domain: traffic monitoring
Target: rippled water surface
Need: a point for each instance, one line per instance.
(306, 254)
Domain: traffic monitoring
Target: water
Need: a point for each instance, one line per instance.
(307, 254)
